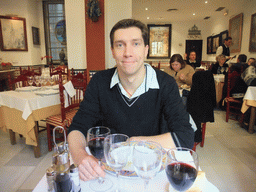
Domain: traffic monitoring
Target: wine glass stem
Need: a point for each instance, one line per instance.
(100, 179)
(146, 181)
(117, 177)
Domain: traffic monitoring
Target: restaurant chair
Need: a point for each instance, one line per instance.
(20, 81)
(233, 105)
(201, 102)
(69, 105)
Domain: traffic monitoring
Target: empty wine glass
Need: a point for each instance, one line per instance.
(52, 81)
(37, 81)
(116, 151)
(147, 160)
(30, 81)
(95, 143)
(181, 168)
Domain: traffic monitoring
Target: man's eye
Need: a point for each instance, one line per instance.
(136, 44)
(119, 45)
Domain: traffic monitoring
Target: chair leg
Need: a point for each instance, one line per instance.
(227, 112)
(49, 136)
(203, 134)
(194, 147)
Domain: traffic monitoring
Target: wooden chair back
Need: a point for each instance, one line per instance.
(20, 81)
(232, 78)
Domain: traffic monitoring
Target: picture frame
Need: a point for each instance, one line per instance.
(13, 34)
(35, 35)
(223, 36)
(235, 31)
(215, 43)
(252, 40)
(209, 45)
(159, 41)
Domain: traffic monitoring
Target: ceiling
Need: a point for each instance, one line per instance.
(157, 9)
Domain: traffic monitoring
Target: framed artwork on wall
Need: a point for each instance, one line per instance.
(159, 41)
(223, 35)
(35, 35)
(13, 34)
(252, 44)
(215, 43)
(209, 45)
(235, 31)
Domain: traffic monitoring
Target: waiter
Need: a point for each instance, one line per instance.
(224, 49)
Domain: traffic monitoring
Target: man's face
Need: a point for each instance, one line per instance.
(192, 56)
(228, 42)
(129, 51)
(250, 61)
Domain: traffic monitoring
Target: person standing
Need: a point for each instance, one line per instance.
(192, 60)
(224, 48)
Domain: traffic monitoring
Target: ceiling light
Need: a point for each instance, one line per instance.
(206, 2)
(194, 14)
(147, 17)
(146, 8)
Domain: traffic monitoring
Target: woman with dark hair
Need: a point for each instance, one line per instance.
(181, 71)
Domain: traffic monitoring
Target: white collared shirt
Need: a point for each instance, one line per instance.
(149, 82)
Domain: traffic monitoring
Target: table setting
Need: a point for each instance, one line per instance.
(139, 166)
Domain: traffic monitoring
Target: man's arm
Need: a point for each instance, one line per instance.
(87, 164)
(219, 51)
(164, 139)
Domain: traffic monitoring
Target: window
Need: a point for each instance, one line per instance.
(55, 29)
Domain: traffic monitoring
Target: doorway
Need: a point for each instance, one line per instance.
(195, 45)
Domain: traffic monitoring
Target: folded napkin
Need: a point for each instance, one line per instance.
(70, 89)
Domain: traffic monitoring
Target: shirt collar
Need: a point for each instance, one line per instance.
(150, 82)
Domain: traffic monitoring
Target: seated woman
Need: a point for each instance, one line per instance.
(220, 67)
(181, 72)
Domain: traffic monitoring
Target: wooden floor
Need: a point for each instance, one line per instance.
(228, 158)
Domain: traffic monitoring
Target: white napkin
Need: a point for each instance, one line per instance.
(70, 88)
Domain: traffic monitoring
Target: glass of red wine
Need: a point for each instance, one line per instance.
(181, 168)
(95, 143)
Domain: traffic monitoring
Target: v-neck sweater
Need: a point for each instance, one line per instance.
(155, 112)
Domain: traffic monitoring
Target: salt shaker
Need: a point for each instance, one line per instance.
(50, 176)
(74, 176)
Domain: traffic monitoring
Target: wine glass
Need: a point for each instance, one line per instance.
(37, 80)
(30, 81)
(95, 143)
(182, 168)
(52, 81)
(147, 160)
(116, 151)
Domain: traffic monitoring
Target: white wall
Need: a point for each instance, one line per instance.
(75, 29)
(31, 10)
(115, 10)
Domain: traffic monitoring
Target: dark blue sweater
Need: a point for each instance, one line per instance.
(155, 112)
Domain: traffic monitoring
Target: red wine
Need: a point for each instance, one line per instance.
(181, 175)
(96, 147)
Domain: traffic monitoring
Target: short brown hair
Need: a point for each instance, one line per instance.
(127, 23)
(178, 58)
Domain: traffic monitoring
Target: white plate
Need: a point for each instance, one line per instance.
(47, 92)
(25, 89)
(55, 87)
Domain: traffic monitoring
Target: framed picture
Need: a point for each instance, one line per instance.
(252, 44)
(35, 35)
(209, 45)
(159, 41)
(235, 31)
(13, 34)
(215, 43)
(223, 36)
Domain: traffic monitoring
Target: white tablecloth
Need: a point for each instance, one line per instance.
(219, 78)
(27, 101)
(250, 93)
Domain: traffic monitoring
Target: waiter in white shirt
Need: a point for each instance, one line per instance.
(224, 49)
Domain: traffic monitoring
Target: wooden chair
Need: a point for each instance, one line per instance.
(233, 105)
(20, 81)
(69, 105)
(201, 102)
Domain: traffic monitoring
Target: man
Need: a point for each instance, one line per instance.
(224, 48)
(192, 60)
(133, 99)
(250, 61)
(241, 64)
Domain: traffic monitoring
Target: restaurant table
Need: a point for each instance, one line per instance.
(19, 112)
(219, 83)
(249, 100)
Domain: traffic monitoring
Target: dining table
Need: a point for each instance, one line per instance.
(249, 100)
(130, 181)
(20, 110)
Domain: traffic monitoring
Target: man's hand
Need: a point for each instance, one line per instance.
(89, 168)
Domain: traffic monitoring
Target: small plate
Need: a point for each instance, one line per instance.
(27, 89)
(128, 171)
(47, 92)
(55, 87)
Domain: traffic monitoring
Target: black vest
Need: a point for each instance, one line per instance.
(226, 51)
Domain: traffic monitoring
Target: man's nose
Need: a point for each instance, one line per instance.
(128, 50)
